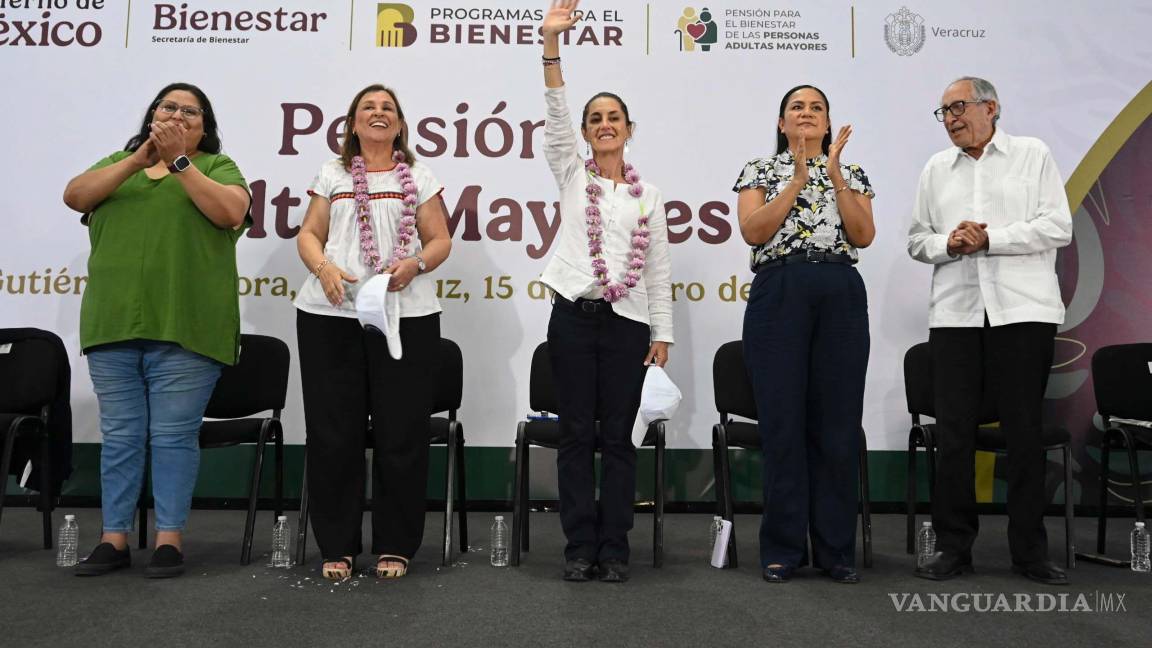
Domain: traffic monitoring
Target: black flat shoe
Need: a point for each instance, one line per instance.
(1042, 572)
(843, 574)
(778, 574)
(166, 562)
(104, 559)
(945, 566)
(613, 571)
(578, 570)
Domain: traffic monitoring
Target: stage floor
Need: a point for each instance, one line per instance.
(685, 603)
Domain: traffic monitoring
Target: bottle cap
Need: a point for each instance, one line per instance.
(499, 518)
(716, 517)
(69, 518)
(926, 524)
(282, 518)
(1139, 525)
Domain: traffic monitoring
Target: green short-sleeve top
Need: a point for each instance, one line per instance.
(159, 269)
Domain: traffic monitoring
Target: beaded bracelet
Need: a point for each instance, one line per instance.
(321, 267)
(548, 62)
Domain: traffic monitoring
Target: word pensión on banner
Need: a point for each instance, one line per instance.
(494, 136)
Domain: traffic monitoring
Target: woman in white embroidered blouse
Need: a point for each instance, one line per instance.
(611, 314)
(374, 210)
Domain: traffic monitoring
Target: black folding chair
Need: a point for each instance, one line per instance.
(732, 390)
(545, 432)
(29, 372)
(918, 390)
(1122, 380)
(446, 431)
(257, 383)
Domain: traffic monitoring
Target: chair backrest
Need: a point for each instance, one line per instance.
(918, 386)
(541, 394)
(918, 380)
(29, 369)
(450, 380)
(257, 383)
(1122, 380)
(731, 386)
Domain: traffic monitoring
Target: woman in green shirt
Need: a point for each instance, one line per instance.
(160, 314)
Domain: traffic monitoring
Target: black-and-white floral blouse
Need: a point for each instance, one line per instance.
(814, 221)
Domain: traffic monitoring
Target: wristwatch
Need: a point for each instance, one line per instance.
(420, 265)
(179, 164)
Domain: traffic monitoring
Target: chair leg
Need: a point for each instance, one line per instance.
(716, 471)
(461, 492)
(525, 501)
(279, 476)
(1069, 513)
(6, 460)
(302, 521)
(1102, 518)
(449, 478)
(253, 495)
(910, 498)
(658, 514)
(865, 501)
(725, 487)
(517, 490)
(1134, 470)
(45, 485)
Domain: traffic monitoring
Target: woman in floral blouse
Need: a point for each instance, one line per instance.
(806, 335)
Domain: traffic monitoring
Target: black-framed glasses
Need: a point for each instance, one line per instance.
(957, 108)
(170, 108)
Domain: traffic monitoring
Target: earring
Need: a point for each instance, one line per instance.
(626, 146)
(588, 148)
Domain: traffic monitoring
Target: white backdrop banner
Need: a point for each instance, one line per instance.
(702, 79)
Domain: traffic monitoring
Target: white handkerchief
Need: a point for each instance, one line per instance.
(659, 401)
(379, 311)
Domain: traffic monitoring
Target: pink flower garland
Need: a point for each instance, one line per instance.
(364, 214)
(614, 291)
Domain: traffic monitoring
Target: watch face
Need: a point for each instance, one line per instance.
(181, 163)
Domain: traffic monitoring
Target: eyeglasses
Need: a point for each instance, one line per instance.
(957, 108)
(170, 108)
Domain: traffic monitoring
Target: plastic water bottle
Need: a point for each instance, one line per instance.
(281, 543)
(499, 539)
(66, 543)
(925, 544)
(1140, 561)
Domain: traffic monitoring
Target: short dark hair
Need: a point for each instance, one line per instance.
(782, 141)
(606, 95)
(351, 146)
(210, 143)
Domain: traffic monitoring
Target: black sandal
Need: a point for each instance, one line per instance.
(338, 573)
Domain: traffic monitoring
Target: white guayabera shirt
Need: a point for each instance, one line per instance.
(1016, 189)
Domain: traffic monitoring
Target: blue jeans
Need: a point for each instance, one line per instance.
(150, 392)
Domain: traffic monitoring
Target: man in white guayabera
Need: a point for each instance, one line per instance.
(989, 214)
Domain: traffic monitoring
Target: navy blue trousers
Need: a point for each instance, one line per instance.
(806, 348)
(598, 373)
